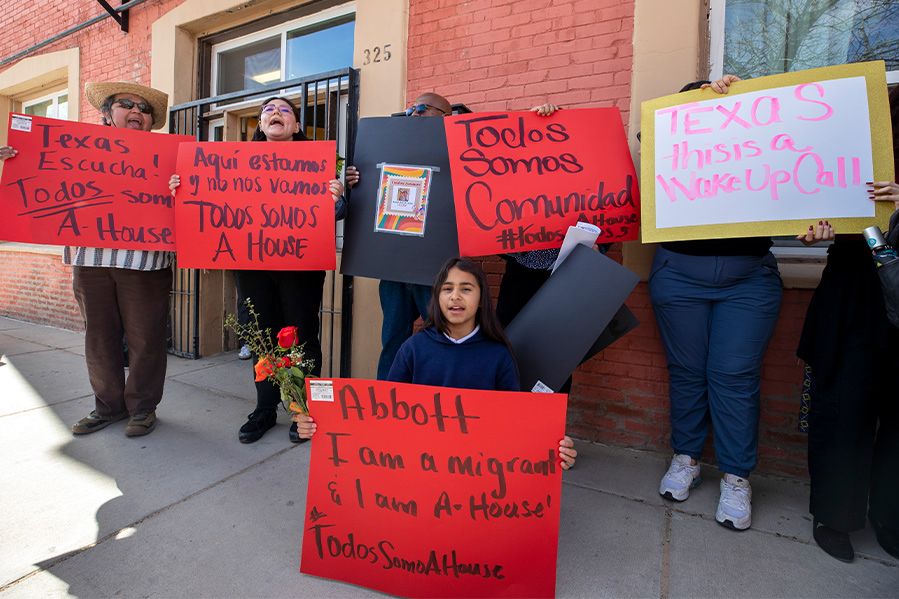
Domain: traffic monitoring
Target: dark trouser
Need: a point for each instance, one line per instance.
(401, 305)
(716, 315)
(116, 302)
(282, 299)
(853, 445)
(518, 286)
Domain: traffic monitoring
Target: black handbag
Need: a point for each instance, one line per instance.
(889, 274)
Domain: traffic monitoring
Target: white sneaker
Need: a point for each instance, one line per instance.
(244, 353)
(735, 503)
(680, 478)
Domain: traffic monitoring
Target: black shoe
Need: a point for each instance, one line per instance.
(257, 423)
(886, 538)
(833, 542)
(294, 435)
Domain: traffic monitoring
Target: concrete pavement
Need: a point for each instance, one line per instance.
(189, 512)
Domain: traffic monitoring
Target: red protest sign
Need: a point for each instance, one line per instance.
(256, 205)
(433, 492)
(87, 185)
(520, 180)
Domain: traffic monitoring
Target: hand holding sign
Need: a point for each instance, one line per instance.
(772, 154)
(521, 179)
(390, 460)
(256, 205)
(79, 184)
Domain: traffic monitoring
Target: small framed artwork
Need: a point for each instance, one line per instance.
(403, 199)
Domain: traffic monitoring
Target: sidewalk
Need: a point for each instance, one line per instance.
(189, 512)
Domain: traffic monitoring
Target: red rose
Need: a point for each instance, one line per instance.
(263, 369)
(287, 337)
(285, 362)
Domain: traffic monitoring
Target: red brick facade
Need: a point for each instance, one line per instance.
(514, 54)
(37, 287)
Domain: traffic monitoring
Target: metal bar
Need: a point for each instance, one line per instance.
(328, 111)
(120, 17)
(315, 114)
(196, 301)
(278, 85)
(67, 33)
(112, 12)
(332, 321)
(346, 315)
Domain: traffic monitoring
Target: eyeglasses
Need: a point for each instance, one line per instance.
(271, 108)
(129, 104)
(421, 109)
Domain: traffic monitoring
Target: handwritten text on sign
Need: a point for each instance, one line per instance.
(787, 153)
(263, 205)
(88, 185)
(520, 180)
(434, 492)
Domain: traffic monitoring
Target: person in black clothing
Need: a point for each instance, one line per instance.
(853, 425)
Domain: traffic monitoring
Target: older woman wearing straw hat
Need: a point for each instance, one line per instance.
(122, 293)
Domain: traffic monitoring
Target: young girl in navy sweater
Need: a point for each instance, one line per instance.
(462, 344)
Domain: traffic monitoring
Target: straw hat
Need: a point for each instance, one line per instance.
(97, 92)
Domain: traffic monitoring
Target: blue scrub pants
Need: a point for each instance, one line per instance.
(716, 315)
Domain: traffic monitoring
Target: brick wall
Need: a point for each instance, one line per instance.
(514, 54)
(37, 287)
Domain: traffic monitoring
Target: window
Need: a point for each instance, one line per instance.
(249, 66)
(313, 44)
(55, 105)
(752, 38)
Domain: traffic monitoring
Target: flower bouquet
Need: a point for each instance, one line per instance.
(280, 359)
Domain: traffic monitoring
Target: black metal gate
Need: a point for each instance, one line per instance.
(329, 110)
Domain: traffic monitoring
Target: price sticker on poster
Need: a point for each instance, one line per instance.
(88, 185)
(520, 180)
(768, 158)
(256, 205)
(477, 470)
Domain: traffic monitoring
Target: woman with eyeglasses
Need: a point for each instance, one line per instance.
(122, 293)
(284, 298)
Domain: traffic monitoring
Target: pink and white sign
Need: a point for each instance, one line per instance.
(799, 152)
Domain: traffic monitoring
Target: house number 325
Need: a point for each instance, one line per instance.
(376, 54)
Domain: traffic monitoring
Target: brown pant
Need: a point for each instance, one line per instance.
(134, 304)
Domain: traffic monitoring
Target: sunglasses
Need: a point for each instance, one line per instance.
(129, 104)
(422, 108)
(271, 108)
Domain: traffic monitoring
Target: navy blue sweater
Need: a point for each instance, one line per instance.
(429, 358)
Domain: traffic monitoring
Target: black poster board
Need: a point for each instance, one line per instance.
(416, 141)
(568, 316)
(622, 323)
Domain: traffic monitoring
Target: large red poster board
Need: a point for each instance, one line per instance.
(256, 205)
(87, 185)
(520, 180)
(434, 492)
